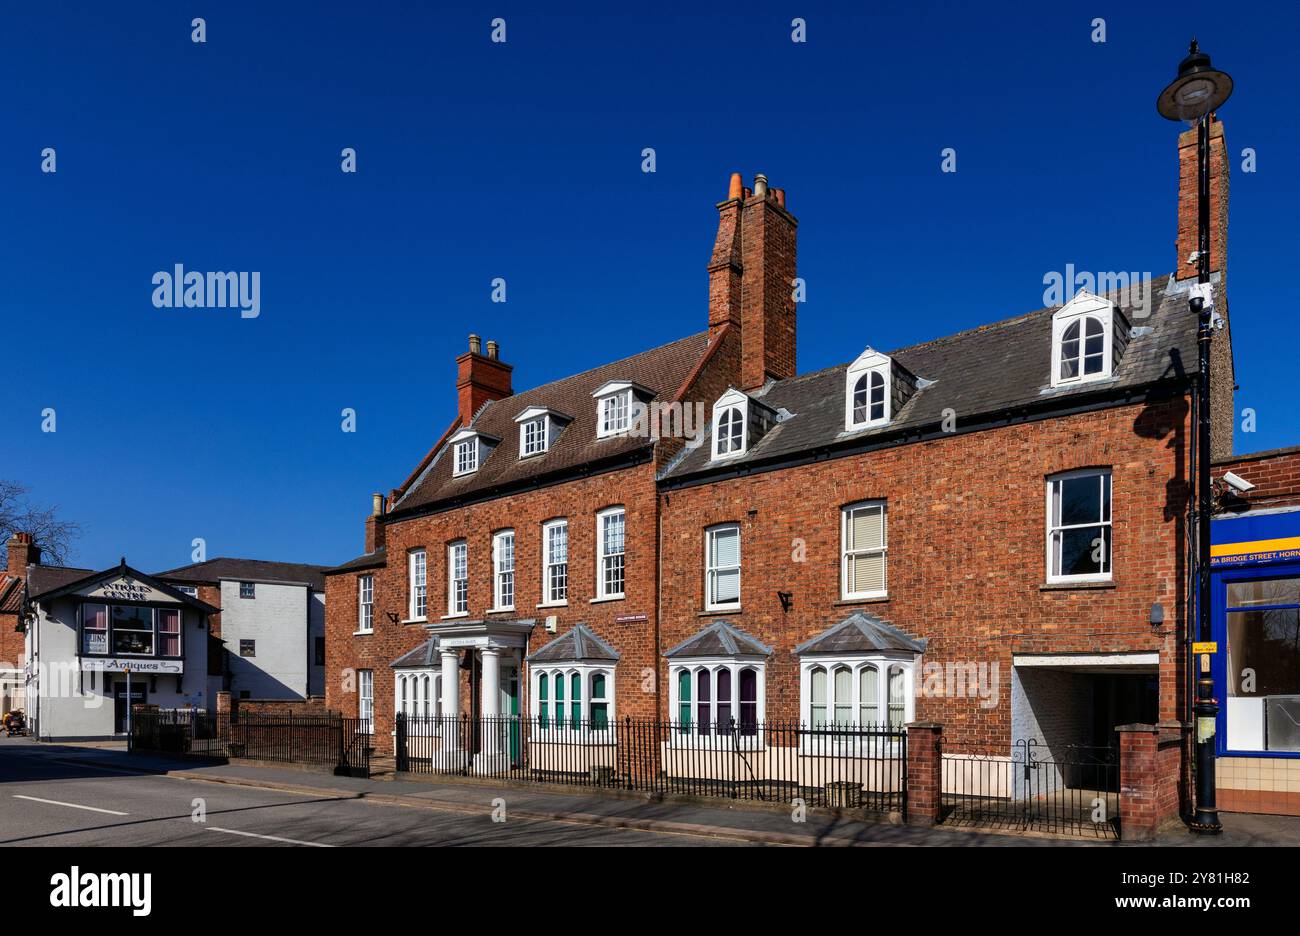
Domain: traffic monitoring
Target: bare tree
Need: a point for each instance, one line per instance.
(55, 537)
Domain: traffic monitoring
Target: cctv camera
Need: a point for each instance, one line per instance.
(1239, 484)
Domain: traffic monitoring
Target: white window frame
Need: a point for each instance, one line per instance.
(549, 599)
(365, 604)
(817, 745)
(868, 363)
(453, 548)
(547, 727)
(731, 401)
(710, 571)
(541, 432)
(417, 585)
(464, 457)
(601, 556)
(846, 516)
(366, 698)
(417, 693)
(1108, 524)
(1083, 306)
(683, 737)
(503, 570)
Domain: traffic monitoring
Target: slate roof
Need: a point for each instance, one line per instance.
(373, 560)
(43, 578)
(719, 639)
(662, 370)
(985, 372)
(861, 632)
(248, 570)
(576, 646)
(44, 586)
(426, 654)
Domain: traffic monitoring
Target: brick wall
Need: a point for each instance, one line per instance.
(1275, 473)
(966, 518)
(578, 500)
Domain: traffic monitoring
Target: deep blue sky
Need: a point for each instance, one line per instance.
(523, 160)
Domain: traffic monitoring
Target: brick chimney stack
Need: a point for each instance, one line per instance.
(1187, 228)
(480, 378)
(751, 279)
(375, 537)
(22, 552)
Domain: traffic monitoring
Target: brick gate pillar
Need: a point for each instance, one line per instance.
(924, 772)
(1139, 810)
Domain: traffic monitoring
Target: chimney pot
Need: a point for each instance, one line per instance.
(737, 187)
(475, 345)
(492, 349)
(760, 185)
(780, 196)
(376, 504)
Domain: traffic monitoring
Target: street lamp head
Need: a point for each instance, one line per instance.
(1199, 89)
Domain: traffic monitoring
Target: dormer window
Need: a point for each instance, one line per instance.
(868, 391)
(468, 450)
(739, 421)
(616, 407)
(466, 457)
(1084, 345)
(730, 429)
(538, 428)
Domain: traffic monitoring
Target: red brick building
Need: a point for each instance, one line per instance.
(987, 530)
(539, 510)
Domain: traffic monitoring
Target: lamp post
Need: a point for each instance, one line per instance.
(1193, 96)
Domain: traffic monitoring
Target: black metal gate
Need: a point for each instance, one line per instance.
(1071, 791)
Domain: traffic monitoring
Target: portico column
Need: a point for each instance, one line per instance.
(450, 698)
(491, 705)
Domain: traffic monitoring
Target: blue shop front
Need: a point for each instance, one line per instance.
(1255, 594)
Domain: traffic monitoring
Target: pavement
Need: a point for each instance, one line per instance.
(97, 794)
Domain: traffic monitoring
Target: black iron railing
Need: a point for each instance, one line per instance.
(1074, 791)
(324, 740)
(853, 766)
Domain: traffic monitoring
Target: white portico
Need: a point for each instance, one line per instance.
(491, 653)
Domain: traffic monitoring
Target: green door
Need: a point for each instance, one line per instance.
(512, 707)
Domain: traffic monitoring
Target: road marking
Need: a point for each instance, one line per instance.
(54, 802)
(269, 838)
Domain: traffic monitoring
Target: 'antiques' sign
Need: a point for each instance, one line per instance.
(118, 664)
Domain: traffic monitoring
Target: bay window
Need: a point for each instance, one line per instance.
(846, 695)
(575, 698)
(130, 630)
(717, 700)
